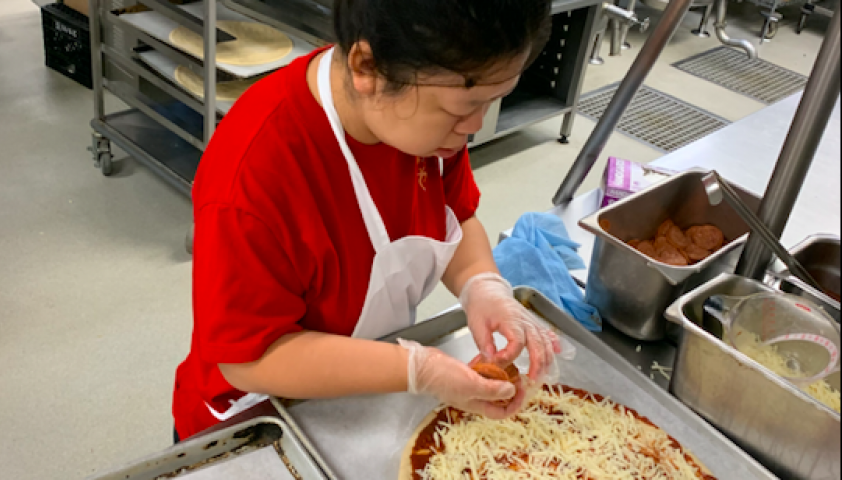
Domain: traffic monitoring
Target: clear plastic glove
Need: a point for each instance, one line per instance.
(488, 301)
(432, 372)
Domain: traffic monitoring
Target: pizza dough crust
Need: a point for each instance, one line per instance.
(405, 471)
(255, 43)
(226, 91)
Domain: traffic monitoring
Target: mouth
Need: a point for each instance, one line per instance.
(448, 152)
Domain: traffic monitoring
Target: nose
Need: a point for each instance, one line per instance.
(472, 123)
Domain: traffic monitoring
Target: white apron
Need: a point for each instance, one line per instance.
(404, 272)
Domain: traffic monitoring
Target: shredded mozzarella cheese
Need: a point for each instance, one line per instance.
(771, 358)
(557, 436)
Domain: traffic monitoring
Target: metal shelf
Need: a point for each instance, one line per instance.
(167, 127)
(523, 108)
(152, 144)
(175, 116)
(549, 88)
(139, 69)
(309, 20)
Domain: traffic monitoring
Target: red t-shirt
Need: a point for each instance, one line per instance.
(280, 244)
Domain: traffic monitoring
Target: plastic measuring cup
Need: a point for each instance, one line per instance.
(804, 336)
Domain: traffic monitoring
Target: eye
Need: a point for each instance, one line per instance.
(456, 114)
(463, 114)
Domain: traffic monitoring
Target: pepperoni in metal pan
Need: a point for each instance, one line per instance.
(677, 238)
(661, 243)
(645, 247)
(696, 253)
(672, 256)
(707, 237)
(664, 227)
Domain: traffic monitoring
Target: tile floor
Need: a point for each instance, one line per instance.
(94, 280)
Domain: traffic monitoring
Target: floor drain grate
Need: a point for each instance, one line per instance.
(730, 68)
(655, 117)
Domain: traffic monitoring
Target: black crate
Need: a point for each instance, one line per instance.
(67, 42)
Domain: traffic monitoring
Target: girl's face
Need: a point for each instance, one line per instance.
(434, 118)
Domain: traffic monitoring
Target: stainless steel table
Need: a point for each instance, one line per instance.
(745, 153)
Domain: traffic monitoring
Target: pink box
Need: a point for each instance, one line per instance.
(624, 177)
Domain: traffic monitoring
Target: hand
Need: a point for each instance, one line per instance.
(488, 301)
(430, 371)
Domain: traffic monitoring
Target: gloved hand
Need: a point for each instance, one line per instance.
(432, 372)
(488, 301)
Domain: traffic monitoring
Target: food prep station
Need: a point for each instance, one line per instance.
(741, 420)
(361, 438)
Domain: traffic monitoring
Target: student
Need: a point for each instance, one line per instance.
(335, 195)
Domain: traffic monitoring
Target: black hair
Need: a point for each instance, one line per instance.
(408, 37)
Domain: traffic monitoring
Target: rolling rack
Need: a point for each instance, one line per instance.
(167, 128)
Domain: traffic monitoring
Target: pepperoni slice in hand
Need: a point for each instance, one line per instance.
(493, 372)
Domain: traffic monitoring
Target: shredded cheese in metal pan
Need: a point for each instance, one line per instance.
(771, 358)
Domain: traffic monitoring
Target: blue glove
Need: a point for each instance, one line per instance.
(540, 254)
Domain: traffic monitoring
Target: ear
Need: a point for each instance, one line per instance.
(361, 66)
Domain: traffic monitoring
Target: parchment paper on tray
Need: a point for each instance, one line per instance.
(362, 438)
(160, 27)
(261, 464)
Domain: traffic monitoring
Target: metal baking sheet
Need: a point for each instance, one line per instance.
(166, 67)
(262, 464)
(262, 448)
(160, 27)
(361, 438)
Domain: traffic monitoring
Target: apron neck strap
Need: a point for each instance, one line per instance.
(377, 232)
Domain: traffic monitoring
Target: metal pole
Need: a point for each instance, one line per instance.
(719, 27)
(641, 67)
(210, 69)
(800, 146)
(95, 27)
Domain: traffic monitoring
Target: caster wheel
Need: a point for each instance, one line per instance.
(772, 31)
(188, 241)
(105, 163)
(563, 140)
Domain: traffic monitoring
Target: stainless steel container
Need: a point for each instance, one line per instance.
(820, 254)
(791, 433)
(630, 290)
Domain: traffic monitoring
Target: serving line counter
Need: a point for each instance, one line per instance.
(743, 153)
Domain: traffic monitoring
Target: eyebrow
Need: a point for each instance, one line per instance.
(480, 102)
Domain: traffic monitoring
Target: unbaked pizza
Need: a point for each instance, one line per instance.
(561, 433)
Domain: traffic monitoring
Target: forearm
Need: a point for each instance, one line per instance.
(473, 256)
(319, 365)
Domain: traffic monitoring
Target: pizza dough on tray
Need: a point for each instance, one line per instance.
(255, 43)
(562, 433)
(225, 91)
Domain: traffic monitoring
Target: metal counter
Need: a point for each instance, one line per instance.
(744, 153)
